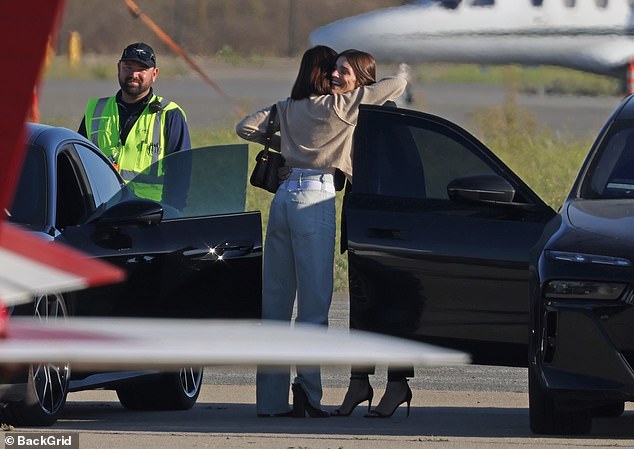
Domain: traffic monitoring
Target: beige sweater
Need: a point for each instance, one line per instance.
(316, 132)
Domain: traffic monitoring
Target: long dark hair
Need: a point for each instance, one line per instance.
(314, 73)
(363, 65)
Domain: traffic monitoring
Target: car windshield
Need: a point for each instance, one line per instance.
(203, 181)
(611, 174)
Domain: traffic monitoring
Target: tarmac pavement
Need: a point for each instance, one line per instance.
(225, 417)
(250, 87)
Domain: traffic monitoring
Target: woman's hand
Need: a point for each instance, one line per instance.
(283, 173)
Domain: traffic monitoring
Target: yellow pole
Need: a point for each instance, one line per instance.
(74, 49)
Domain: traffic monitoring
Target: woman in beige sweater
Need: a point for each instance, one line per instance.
(316, 131)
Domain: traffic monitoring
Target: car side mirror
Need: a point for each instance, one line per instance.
(131, 213)
(484, 188)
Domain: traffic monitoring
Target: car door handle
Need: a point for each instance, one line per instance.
(385, 233)
(140, 260)
(223, 251)
(231, 250)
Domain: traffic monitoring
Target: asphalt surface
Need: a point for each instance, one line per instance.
(225, 417)
(247, 88)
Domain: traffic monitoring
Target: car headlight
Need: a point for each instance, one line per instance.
(590, 290)
(588, 258)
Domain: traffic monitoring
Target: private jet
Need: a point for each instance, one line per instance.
(588, 35)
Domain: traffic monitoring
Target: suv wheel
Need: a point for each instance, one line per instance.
(546, 417)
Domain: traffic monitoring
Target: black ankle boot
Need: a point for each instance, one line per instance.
(301, 406)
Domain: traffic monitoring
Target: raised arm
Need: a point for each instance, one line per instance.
(253, 128)
(346, 105)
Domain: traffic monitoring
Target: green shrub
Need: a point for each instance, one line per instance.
(229, 55)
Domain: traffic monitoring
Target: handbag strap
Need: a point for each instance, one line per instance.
(270, 128)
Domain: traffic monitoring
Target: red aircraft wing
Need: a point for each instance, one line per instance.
(29, 264)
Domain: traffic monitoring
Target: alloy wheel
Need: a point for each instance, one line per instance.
(50, 380)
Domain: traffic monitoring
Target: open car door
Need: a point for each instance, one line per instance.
(190, 252)
(439, 233)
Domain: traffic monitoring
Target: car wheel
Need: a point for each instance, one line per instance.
(164, 391)
(610, 410)
(548, 418)
(46, 384)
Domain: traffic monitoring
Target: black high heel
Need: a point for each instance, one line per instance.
(407, 399)
(301, 406)
(348, 407)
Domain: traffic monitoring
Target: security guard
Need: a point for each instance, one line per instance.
(136, 128)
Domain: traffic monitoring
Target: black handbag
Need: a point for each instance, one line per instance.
(267, 161)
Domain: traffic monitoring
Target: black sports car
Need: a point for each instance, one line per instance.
(194, 254)
(447, 245)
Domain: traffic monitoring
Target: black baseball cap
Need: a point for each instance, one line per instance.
(139, 52)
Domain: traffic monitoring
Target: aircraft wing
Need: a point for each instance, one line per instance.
(131, 343)
(30, 265)
(26, 27)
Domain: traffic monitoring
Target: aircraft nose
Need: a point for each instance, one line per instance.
(319, 36)
(374, 31)
(338, 35)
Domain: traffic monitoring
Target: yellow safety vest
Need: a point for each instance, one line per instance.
(145, 143)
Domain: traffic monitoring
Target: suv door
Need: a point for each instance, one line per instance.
(201, 260)
(439, 235)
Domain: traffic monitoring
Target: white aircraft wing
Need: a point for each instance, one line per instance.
(131, 343)
(31, 266)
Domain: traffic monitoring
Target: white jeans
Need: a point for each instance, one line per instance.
(298, 262)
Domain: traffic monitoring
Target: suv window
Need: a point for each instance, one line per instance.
(429, 157)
